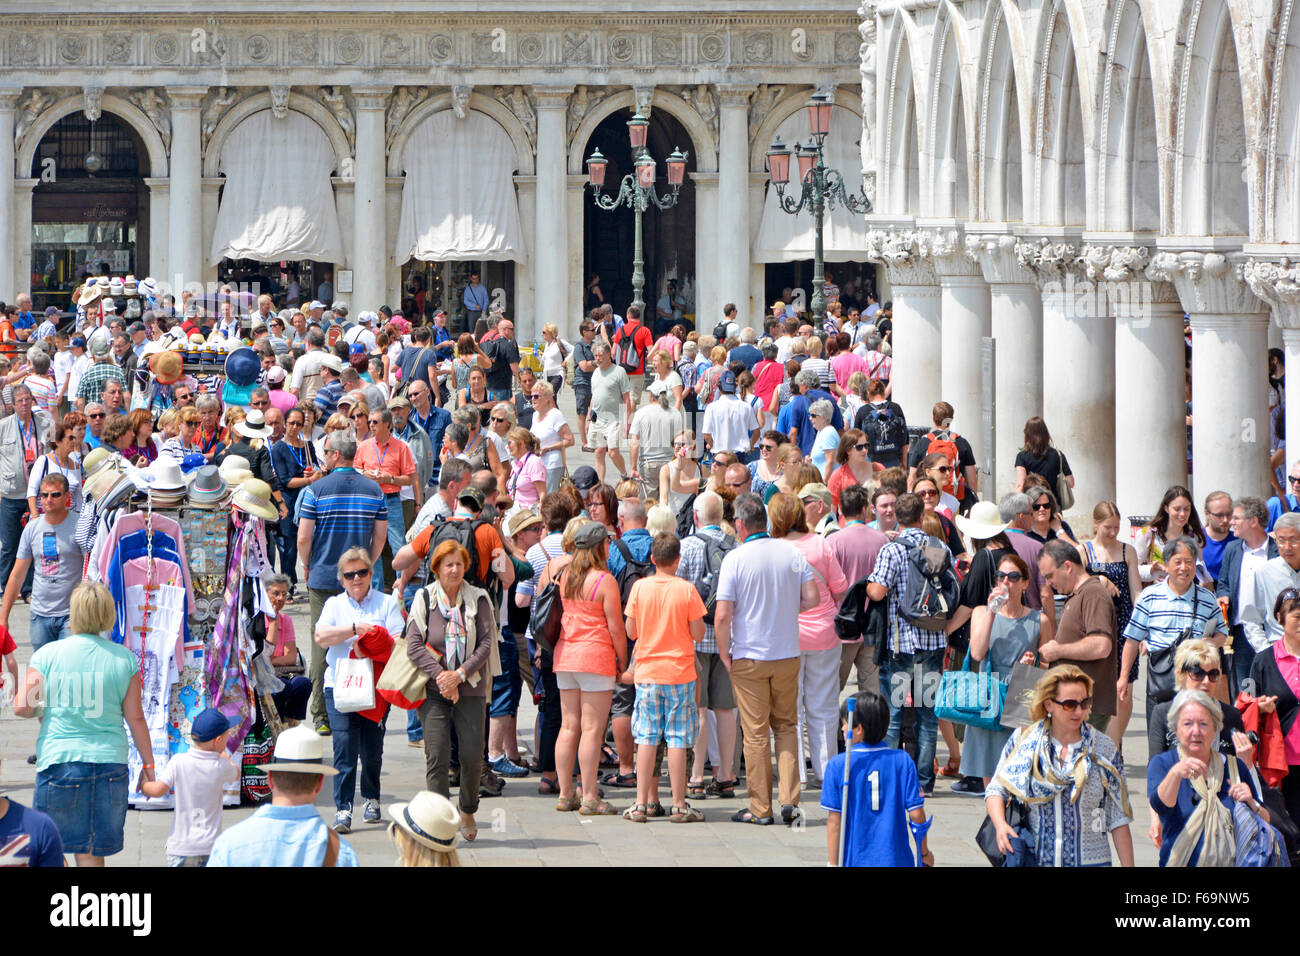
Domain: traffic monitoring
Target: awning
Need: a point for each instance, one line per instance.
(786, 238)
(458, 201)
(278, 202)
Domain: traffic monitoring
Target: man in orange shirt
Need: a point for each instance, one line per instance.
(388, 460)
(665, 616)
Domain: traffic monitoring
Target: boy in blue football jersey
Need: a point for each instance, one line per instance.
(884, 794)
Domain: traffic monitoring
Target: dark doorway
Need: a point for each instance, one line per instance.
(667, 236)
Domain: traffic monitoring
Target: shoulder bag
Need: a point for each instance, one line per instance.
(548, 612)
(974, 698)
(402, 684)
(1064, 493)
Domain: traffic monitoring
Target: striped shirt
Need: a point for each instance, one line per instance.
(345, 506)
(1160, 615)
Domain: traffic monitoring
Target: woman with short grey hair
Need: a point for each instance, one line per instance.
(827, 439)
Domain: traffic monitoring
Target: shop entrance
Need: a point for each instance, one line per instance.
(90, 206)
(430, 286)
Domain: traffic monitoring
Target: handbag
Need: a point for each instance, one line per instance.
(973, 698)
(402, 684)
(1064, 493)
(1160, 669)
(1017, 817)
(1020, 693)
(354, 685)
(548, 612)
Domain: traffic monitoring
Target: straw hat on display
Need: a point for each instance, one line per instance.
(163, 482)
(236, 470)
(89, 294)
(107, 474)
(254, 497)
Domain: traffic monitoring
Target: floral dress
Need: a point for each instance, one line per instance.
(1117, 573)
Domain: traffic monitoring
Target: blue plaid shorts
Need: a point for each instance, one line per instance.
(666, 712)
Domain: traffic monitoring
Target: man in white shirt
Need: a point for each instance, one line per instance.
(1271, 579)
(363, 331)
(756, 625)
(729, 423)
(308, 363)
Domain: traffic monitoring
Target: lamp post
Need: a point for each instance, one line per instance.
(637, 189)
(821, 188)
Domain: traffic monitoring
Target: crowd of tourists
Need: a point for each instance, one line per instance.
(765, 567)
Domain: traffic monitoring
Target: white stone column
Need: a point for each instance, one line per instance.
(964, 306)
(185, 218)
(917, 339)
(732, 226)
(370, 239)
(22, 228)
(159, 227)
(709, 251)
(1278, 284)
(1017, 324)
(526, 189)
(551, 248)
(8, 233)
(1150, 424)
(1229, 360)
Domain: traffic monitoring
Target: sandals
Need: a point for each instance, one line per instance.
(655, 809)
(636, 813)
(723, 788)
(686, 814)
(608, 758)
(616, 779)
(744, 816)
(568, 804)
(468, 832)
(950, 769)
(548, 787)
(697, 790)
(598, 809)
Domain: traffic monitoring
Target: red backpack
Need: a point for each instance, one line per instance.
(945, 443)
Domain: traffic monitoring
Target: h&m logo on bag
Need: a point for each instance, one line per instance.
(77, 910)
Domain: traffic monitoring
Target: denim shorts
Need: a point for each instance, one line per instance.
(506, 687)
(87, 802)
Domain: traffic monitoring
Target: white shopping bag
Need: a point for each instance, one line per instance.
(354, 685)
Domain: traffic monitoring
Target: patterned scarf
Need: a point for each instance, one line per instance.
(456, 640)
(1032, 775)
(1211, 820)
(226, 682)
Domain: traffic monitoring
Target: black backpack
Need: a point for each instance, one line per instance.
(714, 552)
(633, 570)
(930, 591)
(885, 431)
(462, 532)
(686, 517)
(720, 331)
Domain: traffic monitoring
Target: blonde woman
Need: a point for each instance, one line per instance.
(552, 432)
(554, 354)
(338, 422)
(680, 478)
(662, 363)
(425, 830)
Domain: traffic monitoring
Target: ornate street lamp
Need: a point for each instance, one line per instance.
(637, 190)
(821, 188)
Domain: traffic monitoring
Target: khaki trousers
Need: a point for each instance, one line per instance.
(863, 656)
(767, 693)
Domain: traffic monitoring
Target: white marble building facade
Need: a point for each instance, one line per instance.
(1070, 177)
(184, 82)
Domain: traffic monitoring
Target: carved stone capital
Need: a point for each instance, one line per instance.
(1053, 263)
(1278, 284)
(552, 97)
(996, 255)
(1207, 282)
(906, 254)
(735, 94)
(9, 97)
(948, 247)
(368, 97)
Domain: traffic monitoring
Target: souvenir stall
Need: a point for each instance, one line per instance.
(182, 547)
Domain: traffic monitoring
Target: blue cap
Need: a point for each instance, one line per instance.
(357, 349)
(192, 461)
(78, 343)
(727, 382)
(209, 725)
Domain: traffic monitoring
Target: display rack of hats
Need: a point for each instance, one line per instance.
(119, 295)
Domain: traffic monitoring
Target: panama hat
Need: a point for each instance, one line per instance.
(89, 294)
(985, 521)
(254, 425)
(148, 287)
(243, 366)
(163, 475)
(106, 475)
(208, 487)
(299, 750)
(168, 366)
(116, 287)
(254, 497)
(429, 819)
(329, 360)
(95, 460)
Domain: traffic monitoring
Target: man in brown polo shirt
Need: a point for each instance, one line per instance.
(1085, 635)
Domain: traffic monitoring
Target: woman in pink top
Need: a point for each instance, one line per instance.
(527, 481)
(819, 645)
(589, 656)
(845, 362)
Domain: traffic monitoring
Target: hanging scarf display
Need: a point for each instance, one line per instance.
(228, 685)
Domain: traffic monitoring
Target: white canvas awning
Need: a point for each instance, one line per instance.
(278, 202)
(786, 238)
(459, 201)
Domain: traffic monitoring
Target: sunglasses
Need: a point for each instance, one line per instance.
(95, 415)
(360, 415)
(1012, 576)
(943, 469)
(1294, 480)
(1070, 706)
(766, 447)
(1196, 672)
(1043, 506)
(535, 395)
(353, 575)
(498, 419)
(928, 494)
(862, 446)
(53, 494)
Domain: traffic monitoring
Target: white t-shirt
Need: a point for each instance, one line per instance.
(77, 370)
(308, 364)
(730, 421)
(61, 366)
(376, 608)
(784, 346)
(553, 358)
(546, 428)
(197, 777)
(359, 333)
(763, 577)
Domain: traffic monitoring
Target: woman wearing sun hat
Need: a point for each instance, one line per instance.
(424, 830)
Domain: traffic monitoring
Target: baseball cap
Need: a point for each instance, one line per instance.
(590, 534)
(275, 374)
(399, 401)
(585, 478)
(77, 343)
(471, 495)
(819, 491)
(209, 725)
(135, 327)
(314, 305)
(727, 382)
(52, 310)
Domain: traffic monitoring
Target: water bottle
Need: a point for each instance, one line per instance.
(998, 601)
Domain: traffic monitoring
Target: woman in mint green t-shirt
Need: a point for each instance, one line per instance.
(83, 688)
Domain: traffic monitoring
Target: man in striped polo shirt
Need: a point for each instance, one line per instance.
(342, 510)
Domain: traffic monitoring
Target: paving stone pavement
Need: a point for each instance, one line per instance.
(522, 827)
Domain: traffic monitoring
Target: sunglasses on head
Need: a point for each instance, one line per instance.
(353, 575)
(1070, 706)
(1196, 672)
(1012, 576)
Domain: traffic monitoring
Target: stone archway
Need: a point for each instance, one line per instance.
(262, 101)
(947, 168)
(125, 110)
(1000, 182)
(704, 144)
(1128, 174)
(1060, 133)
